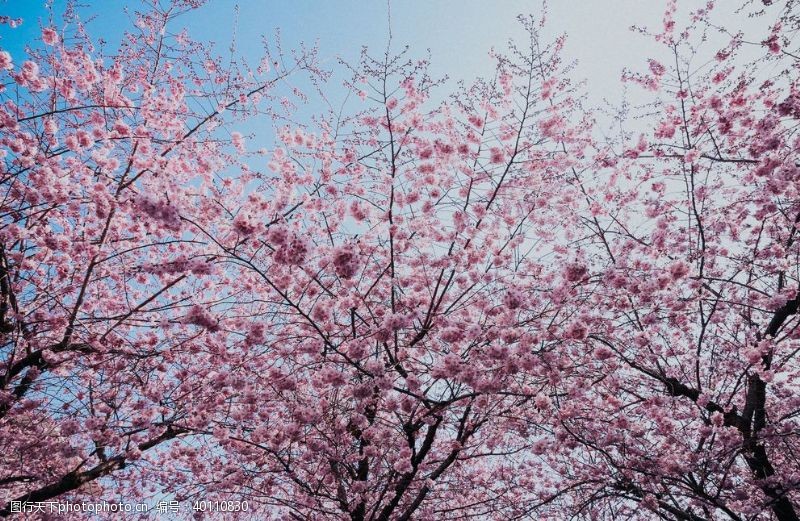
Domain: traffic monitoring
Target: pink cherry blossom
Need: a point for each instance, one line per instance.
(446, 301)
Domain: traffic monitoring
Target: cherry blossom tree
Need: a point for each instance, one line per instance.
(682, 401)
(391, 260)
(103, 285)
(445, 303)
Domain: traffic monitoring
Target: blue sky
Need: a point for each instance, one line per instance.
(459, 33)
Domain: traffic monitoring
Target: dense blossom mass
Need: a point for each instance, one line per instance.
(446, 302)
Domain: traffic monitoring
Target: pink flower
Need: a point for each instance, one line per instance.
(678, 270)
(30, 71)
(199, 316)
(243, 224)
(656, 68)
(753, 355)
(256, 335)
(452, 334)
(603, 353)
(292, 252)
(238, 141)
(772, 44)
(345, 261)
(321, 312)
(396, 321)
(575, 272)
(84, 139)
(513, 298)
(162, 211)
(357, 211)
(121, 128)
(5, 60)
(403, 465)
(50, 126)
(277, 234)
(576, 331)
(496, 155)
(49, 36)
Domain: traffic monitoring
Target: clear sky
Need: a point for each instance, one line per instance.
(459, 33)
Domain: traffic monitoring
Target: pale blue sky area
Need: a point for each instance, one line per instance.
(459, 33)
